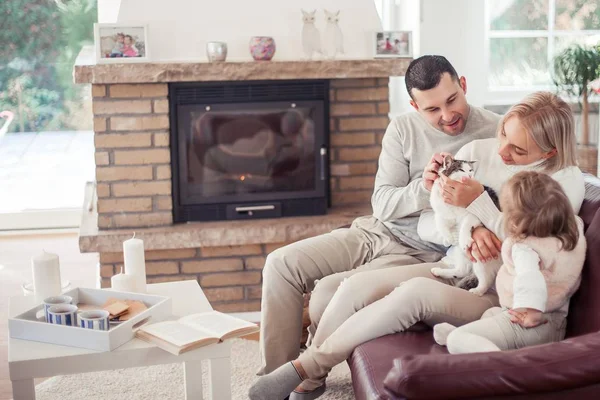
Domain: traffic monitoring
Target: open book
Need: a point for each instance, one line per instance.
(193, 331)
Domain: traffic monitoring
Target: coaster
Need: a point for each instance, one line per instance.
(135, 307)
(116, 309)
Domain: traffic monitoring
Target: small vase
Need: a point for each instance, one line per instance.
(262, 48)
(216, 51)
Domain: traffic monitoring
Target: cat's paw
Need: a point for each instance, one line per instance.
(479, 292)
(437, 271)
(465, 242)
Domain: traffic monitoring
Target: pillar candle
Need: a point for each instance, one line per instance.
(123, 283)
(135, 264)
(46, 276)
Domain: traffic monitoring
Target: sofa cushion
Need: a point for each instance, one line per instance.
(370, 362)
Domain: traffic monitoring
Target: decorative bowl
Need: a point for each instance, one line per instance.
(262, 48)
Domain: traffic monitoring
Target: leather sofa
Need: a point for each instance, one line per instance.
(410, 365)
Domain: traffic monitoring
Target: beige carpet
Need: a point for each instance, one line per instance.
(165, 382)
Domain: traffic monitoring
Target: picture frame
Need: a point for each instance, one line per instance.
(121, 43)
(393, 44)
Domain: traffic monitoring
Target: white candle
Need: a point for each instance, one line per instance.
(135, 264)
(123, 283)
(46, 276)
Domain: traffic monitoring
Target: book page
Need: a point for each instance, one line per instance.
(178, 334)
(216, 323)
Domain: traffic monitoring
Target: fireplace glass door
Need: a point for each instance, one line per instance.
(237, 152)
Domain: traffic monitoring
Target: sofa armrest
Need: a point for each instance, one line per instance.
(552, 367)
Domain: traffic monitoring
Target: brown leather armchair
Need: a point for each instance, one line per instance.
(411, 365)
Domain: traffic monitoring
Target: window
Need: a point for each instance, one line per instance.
(523, 36)
(46, 145)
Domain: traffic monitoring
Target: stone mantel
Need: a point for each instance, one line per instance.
(220, 233)
(209, 234)
(87, 71)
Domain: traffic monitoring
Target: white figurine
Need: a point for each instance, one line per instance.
(311, 38)
(334, 41)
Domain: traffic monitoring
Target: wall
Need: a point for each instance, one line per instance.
(179, 29)
(108, 10)
(456, 30)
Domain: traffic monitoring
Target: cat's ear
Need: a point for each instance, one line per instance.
(447, 161)
(337, 14)
(312, 14)
(304, 13)
(327, 13)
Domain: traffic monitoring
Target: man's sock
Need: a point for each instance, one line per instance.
(441, 332)
(277, 385)
(313, 394)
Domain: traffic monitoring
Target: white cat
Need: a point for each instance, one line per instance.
(456, 225)
(334, 40)
(311, 38)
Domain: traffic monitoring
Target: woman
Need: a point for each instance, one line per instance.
(536, 134)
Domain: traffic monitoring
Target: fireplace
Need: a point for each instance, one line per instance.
(243, 150)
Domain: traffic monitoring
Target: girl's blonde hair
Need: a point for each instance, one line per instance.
(534, 204)
(549, 121)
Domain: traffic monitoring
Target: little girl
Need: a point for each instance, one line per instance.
(543, 257)
(129, 49)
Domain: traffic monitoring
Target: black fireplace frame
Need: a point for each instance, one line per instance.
(253, 206)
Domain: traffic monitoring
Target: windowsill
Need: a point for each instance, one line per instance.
(508, 96)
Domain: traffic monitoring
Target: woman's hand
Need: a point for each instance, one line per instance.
(460, 194)
(486, 246)
(527, 317)
(430, 174)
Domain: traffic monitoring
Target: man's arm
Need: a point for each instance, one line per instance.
(395, 195)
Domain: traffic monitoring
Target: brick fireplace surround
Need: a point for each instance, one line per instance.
(133, 176)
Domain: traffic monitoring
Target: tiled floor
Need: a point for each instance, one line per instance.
(45, 170)
(15, 254)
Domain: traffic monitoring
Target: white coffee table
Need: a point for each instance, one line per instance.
(28, 360)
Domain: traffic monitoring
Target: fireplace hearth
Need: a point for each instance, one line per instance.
(252, 149)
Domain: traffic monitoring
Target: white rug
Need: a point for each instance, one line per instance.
(165, 382)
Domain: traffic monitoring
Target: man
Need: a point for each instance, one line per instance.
(444, 121)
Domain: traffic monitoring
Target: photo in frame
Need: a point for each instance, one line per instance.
(121, 43)
(393, 44)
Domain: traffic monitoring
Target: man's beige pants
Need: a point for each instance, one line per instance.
(293, 270)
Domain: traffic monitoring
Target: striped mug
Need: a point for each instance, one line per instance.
(95, 319)
(63, 314)
(54, 301)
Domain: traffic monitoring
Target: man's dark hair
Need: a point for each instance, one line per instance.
(425, 73)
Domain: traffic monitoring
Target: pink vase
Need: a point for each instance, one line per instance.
(262, 48)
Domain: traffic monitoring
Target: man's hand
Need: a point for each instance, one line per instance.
(486, 246)
(460, 194)
(430, 173)
(527, 317)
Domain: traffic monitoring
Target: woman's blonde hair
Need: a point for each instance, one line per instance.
(534, 204)
(549, 121)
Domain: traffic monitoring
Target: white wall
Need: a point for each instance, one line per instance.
(179, 29)
(402, 15)
(108, 10)
(456, 30)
